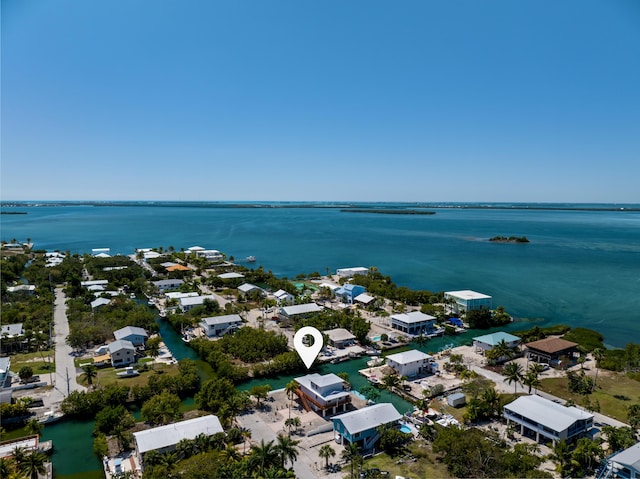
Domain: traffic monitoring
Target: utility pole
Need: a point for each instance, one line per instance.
(68, 391)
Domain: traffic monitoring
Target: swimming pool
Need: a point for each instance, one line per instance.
(376, 338)
(406, 429)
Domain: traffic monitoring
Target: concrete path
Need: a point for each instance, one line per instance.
(65, 377)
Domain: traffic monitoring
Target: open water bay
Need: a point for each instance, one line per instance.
(581, 267)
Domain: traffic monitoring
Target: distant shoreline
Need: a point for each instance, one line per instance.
(388, 211)
(345, 206)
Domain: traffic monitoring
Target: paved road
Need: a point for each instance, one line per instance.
(65, 376)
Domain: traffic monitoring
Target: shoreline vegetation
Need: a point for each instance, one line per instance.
(335, 205)
(509, 239)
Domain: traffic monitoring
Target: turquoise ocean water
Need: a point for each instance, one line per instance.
(582, 266)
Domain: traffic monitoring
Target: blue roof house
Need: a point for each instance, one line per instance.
(361, 426)
(348, 292)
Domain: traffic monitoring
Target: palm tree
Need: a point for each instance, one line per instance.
(290, 389)
(530, 378)
(598, 355)
(492, 400)
(169, 460)
(33, 427)
(286, 448)
(391, 381)
(19, 455)
(351, 454)
(326, 451)
(184, 449)
(246, 435)
(513, 374)
(561, 455)
(153, 349)
(263, 456)
(292, 422)
(90, 373)
(6, 467)
(123, 437)
(34, 465)
(201, 443)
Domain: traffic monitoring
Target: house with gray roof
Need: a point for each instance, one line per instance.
(165, 285)
(544, 420)
(99, 303)
(625, 464)
(137, 336)
(412, 363)
(218, 326)
(414, 323)
(340, 337)
(248, 288)
(165, 438)
(361, 426)
(324, 394)
(298, 311)
(11, 330)
(122, 353)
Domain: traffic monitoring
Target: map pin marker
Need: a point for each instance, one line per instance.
(308, 354)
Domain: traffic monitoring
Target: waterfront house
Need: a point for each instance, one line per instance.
(137, 336)
(361, 426)
(298, 311)
(624, 464)
(122, 353)
(282, 296)
(101, 252)
(550, 350)
(340, 337)
(165, 438)
(188, 303)
(231, 275)
(195, 249)
(348, 292)
(218, 326)
(210, 255)
(165, 285)
(487, 342)
(28, 444)
(412, 363)
(544, 420)
(350, 272)
(414, 323)
(324, 394)
(467, 300)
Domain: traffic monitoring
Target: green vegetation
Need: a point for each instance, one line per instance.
(484, 318)
(426, 465)
(587, 339)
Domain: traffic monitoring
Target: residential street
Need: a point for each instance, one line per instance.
(64, 379)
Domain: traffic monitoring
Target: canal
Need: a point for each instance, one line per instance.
(73, 456)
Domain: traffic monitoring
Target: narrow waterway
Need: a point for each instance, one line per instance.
(73, 456)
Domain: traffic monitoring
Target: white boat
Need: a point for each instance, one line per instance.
(132, 295)
(375, 362)
(50, 417)
(128, 372)
(250, 259)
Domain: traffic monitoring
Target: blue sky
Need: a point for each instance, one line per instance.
(321, 100)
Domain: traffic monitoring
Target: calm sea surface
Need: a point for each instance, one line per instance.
(581, 267)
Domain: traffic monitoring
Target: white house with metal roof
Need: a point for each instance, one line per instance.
(248, 288)
(541, 419)
(298, 311)
(282, 296)
(99, 303)
(122, 353)
(412, 363)
(11, 330)
(467, 300)
(215, 327)
(137, 336)
(165, 438)
(165, 285)
(361, 426)
(625, 464)
(231, 275)
(414, 323)
(340, 337)
(22, 288)
(489, 341)
(324, 394)
(188, 303)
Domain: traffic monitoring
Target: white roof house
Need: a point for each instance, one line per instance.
(97, 303)
(299, 310)
(194, 249)
(22, 288)
(248, 288)
(168, 284)
(178, 295)
(541, 417)
(324, 394)
(231, 276)
(93, 282)
(119, 345)
(12, 330)
(364, 298)
(626, 463)
(191, 302)
(340, 337)
(220, 325)
(137, 336)
(165, 438)
(283, 296)
(122, 352)
(360, 426)
(415, 322)
(467, 300)
(331, 286)
(411, 363)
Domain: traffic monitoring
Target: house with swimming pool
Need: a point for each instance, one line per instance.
(361, 426)
(414, 323)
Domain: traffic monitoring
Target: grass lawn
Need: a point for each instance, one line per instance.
(425, 466)
(609, 385)
(108, 376)
(35, 361)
